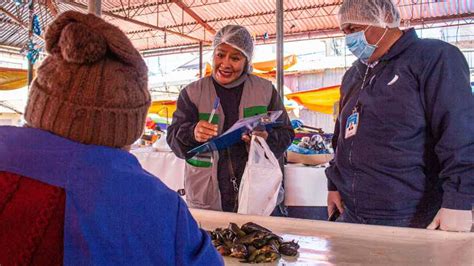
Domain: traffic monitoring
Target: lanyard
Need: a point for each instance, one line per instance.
(372, 66)
(357, 105)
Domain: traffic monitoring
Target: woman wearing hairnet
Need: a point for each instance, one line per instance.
(405, 132)
(212, 180)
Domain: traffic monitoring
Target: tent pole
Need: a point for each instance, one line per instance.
(31, 8)
(280, 77)
(200, 59)
(279, 35)
(95, 7)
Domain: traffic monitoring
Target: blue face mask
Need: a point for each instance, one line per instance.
(358, 45)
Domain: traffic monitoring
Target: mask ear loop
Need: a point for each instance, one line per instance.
(377, 44)
(381, 38)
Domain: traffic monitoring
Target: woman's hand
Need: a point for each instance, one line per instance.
(203, 131)
(246, 138)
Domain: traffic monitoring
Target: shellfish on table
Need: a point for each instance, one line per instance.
(251, 243)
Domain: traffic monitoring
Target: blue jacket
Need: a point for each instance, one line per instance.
(116, 213)
(414, 149)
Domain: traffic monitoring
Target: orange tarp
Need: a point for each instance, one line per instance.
(319, 100)
(12, 79)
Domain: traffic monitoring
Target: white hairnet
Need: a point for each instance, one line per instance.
(237, 37)
(379, 13)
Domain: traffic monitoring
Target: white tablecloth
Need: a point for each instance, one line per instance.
(165, 165)
(304, 185)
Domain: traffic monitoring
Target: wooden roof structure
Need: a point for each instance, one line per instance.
(166, 26)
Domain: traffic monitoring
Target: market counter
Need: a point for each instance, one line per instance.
(306, 187)
(338, 243)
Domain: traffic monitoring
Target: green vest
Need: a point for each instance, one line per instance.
(200, 175)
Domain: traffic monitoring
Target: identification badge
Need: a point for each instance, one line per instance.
(352, 124)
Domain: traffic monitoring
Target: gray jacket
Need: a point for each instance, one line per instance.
(202, 176)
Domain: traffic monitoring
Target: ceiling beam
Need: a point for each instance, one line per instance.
(463, 19)
(273, 12)
(164, 3)
(307, 8)
(18, 21)
(52, 7)
(195, 16)
(140, 23)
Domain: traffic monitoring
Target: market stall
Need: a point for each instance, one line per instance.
(163, 164)
(12, 78)
(306, 187)
(328, 243)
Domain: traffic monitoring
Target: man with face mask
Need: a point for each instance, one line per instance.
(404, 137)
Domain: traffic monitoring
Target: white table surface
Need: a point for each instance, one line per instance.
(330, 243)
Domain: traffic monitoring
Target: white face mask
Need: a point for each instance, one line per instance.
(358, 45)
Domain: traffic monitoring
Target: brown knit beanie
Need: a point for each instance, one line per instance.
(92, 87)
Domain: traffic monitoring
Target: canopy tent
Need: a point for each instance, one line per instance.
(321, 100)
(154, 120)
(178, 25)
(12, 79)
(161, 114)
(271, 65)
(164, 108)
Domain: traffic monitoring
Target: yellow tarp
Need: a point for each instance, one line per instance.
(163, 108)
(319, 100)
(267, 66)
(12, 79)
(263, 68)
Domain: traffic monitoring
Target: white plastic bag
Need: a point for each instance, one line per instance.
(261, 180)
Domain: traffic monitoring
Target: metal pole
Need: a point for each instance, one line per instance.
(279, 36)
(31, 9)
(95, 7)
(200, 59)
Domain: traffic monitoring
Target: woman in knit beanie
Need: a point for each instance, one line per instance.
(92, 88)
(68, 192)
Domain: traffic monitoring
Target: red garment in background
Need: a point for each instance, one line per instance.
(31, 221)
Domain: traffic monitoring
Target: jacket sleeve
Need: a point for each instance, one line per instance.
(193, 245)
(332, 169)
(180, 134)
(281, 136)
(449, 108)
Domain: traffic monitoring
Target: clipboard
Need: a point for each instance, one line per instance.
(234, 134)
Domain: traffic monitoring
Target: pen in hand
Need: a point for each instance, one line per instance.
(217, 102)
(205, 130)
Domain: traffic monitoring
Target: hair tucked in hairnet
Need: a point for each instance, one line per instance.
(237, 37)
(379, 13)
